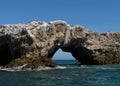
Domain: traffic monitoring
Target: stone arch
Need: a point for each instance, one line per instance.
(81, 54)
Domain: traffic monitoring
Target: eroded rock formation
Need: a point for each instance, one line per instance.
(38, 39)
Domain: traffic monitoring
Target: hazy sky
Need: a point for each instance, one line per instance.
(97, 15)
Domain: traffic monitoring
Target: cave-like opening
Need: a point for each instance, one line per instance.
(61, 57)
(5, 54)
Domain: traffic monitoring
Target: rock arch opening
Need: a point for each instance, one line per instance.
(61, 57)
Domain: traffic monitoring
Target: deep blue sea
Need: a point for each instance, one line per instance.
(68, 75)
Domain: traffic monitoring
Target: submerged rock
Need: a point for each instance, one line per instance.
(37, 40)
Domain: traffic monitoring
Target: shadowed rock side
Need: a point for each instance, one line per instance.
(37, 40)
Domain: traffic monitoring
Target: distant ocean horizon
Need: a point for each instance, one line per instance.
(67, 74)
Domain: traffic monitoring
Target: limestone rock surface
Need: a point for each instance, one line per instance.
(38, 39)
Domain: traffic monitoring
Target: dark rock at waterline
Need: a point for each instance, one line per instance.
(41, 40)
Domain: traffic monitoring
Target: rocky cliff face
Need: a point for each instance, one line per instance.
(38, 39)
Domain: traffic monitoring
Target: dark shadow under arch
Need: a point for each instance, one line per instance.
(5, 54)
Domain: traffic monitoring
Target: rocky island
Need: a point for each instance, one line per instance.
(32, 45)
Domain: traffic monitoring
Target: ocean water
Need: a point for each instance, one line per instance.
(67, 74)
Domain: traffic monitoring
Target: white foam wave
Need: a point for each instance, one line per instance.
(7, 69)
(19, 68)
(102, 67)
(107, 68)
(61, 67)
